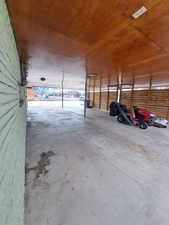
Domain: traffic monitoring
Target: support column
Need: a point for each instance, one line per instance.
(100, 93)
(62, 84)
(94, 83)
(85, 101)
(132, 91)
(108, 92)
(119, 85)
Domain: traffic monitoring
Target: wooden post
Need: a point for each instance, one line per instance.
(88, 91)
(100, 94)
(117, 90)
(150, 84)
(168, 107)
(85, 101)
(94, 83)
(119, 85)
(132, 91)
(63, 77)
(108, 92)
(149, 90)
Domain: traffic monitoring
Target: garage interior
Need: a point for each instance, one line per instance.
(83, 168)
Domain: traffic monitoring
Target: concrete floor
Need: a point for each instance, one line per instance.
(94, 171)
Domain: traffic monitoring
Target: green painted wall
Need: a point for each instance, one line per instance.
(12, 127)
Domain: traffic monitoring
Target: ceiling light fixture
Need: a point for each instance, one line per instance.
(42, 78)
(91, 75)
(139, 12)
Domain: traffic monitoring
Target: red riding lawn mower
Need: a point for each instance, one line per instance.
(137, 117)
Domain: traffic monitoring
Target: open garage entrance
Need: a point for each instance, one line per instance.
(62, 64)
(60, 98)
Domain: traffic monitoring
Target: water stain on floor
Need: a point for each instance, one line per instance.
(41, 167)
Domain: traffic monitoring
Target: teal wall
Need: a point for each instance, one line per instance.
(12, 127)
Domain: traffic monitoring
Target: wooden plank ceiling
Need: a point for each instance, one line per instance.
(102, 32)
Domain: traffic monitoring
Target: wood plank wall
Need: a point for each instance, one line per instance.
(157, 101)
(103, 90)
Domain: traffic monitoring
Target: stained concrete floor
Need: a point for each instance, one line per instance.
(94, 171)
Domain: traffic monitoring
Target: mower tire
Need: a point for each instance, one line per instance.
(121, 119)
(143, 125)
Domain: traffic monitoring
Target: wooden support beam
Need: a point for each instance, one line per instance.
(62, 84)
(108, 92)
(167, 116)
(150, 83)
(100, 92)
(88, 89)
(85, 101)
(117, 87)
(94, 85)
(132, 91)
(120, 82)
(149, 90)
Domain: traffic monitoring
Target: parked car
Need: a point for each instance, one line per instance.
(82, 98)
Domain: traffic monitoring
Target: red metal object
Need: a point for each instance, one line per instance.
(142, 115)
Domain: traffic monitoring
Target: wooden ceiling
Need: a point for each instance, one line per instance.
(103, 32)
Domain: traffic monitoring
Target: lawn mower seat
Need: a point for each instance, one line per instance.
(137, 113)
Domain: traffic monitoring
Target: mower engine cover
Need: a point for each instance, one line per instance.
(144, 114)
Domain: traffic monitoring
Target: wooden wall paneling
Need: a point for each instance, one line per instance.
(161, 106)
(92, 90)
(127, 89)
(112, 95)
(159, 101)
(126, 98)
(96, 103)
(112, 87)
(104, 100)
